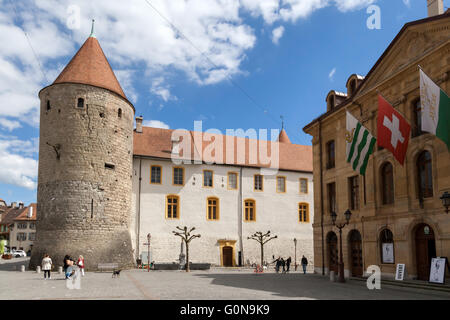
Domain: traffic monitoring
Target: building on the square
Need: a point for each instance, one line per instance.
(18, 225)
(226, 201)
(95, 195)
(392, 205)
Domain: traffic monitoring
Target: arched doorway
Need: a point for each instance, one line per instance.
(355, 253)
(425, 250)
(227, 253)
(332, 251)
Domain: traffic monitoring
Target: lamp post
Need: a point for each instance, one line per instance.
(347, 214)
(445, 200)
(148, 252)
(295, 253)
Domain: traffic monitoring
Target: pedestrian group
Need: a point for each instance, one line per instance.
(68, 267)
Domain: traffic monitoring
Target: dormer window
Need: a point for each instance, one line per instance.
(80, 103)
(331, 102)
(352, 87)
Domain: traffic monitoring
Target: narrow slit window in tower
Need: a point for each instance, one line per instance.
(80, 103)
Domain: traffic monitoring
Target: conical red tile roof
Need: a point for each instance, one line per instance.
(283, 137)
(90, 66)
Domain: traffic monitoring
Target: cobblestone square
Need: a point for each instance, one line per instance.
(214, 284)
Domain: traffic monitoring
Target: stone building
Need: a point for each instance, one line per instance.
(96, 198)
(18, 225)
(392, 204)
(226, 200)
(85, 164)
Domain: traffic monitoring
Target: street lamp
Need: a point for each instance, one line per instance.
(295, 254)
(148, 252)
(445, 200)
(347, 215)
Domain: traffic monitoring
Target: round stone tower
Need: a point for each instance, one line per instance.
(85, 165)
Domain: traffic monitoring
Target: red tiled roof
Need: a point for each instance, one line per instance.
(24, 214)
(12, 214)
(90, 66)
(157, 143)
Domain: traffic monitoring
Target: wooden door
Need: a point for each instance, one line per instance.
(425, 250)
(332, 252)
(356, 259)
(227, 254)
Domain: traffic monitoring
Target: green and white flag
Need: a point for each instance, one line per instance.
(435, 109)
(360, 144)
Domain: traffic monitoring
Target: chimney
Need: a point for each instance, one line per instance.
(435, 7)
(139, 124)
(30, 212)
(13, 204)
(20, 205)
(175, 145)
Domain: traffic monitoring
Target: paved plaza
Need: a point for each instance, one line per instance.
(214, 284)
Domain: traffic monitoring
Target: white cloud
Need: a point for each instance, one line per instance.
(155, 124)
(277, 33)
(17, 169)
(135, 37)
(161, 89)
(407, 3)
(331, 74)
(9, 125)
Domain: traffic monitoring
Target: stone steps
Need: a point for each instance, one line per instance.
(411, 284)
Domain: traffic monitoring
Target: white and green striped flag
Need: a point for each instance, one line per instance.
(360, 144)
(435, 109)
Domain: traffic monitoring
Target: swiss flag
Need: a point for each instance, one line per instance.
(393, 130)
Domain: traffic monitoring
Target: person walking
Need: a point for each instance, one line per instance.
(288, 263)
(304, 264)
(68, 266)
(46, 266)
(277, 264)
(80, 264)
(283, 264)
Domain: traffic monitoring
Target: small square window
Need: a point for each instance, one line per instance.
(207, 178)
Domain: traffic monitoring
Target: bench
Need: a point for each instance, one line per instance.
(107, 266)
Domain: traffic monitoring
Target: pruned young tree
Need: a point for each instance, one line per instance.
(186, 236)
(262, 239)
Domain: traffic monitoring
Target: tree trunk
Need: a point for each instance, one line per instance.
(262, 254)
(187, 257)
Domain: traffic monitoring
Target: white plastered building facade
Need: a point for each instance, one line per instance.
(223, 240)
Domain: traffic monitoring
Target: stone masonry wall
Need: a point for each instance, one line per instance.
(84, 197)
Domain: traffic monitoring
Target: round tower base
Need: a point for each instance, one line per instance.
(117, 249)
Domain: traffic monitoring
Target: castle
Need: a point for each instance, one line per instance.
(103, 187)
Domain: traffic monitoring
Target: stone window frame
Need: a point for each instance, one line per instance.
(303, 212)
(249, 204)
(429, 177)
(384, 186)
(210, 206)
(300, 185)
(258, 186)
(177, 209)
(212, 179)
(229, 187)
(174, 176)
(160, 174)
(284, 190)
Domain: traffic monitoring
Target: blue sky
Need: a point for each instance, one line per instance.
(320, 44)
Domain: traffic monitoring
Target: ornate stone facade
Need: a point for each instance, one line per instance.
(396, 76)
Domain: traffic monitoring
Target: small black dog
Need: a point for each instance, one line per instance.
(116, 273)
